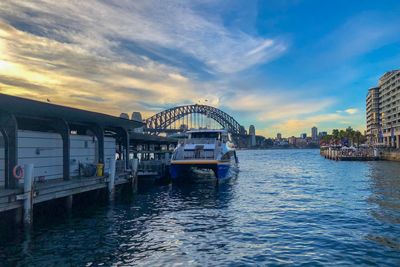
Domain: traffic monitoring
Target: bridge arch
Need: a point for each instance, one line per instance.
(161, 121)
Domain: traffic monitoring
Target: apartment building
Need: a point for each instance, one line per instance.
(383, 110)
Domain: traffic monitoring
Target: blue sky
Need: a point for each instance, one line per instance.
(283, 66)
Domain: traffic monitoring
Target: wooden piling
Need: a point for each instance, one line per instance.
(28, 194)
(69, 200)
(111, 180)
(135, 167)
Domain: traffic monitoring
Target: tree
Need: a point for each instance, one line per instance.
(341, 136)
(335, 134)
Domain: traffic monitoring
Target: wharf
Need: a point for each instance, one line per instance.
(350, 154)
(54, 189)
(50, 152)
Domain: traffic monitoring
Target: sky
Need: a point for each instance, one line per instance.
(283, 65)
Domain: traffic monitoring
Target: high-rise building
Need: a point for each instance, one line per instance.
(252, 130)
(383, 110)
(314, 133)
(137, 116)
(303, 136)
(322, 134)
(373, 115)
(279, 136)
(252, 133)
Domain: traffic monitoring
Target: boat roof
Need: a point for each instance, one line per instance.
(207, 131)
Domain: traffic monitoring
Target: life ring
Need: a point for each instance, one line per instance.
(18, 172)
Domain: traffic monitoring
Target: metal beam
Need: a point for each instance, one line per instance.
(99, 133)
(123, 136)
(9, 130)
(62, 127)
(161, 121)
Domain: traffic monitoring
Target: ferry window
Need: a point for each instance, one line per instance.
(205, 135)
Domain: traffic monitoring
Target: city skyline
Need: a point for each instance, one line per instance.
(283, 66)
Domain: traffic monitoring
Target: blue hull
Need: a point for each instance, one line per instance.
(184, 172)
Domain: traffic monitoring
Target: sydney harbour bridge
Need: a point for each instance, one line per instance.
(182, 118)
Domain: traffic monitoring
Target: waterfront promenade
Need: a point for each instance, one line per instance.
(364, 153)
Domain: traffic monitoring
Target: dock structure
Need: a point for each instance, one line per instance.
(50, 152)
(350, 154)
(153, 153)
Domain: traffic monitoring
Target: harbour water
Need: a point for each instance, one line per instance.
(286, 207)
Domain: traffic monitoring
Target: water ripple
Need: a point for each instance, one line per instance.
(287, 207)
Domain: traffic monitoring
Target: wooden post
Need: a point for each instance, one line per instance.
(9, 130)
(397, 141)
(28, 192)
(111, 180)
(135, 166)
(69, 200)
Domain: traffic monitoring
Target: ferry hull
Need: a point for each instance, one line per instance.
(184, 171)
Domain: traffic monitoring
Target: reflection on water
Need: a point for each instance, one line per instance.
(385, 194)
(285, 207)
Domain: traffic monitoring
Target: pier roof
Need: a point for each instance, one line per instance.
(35, 109)
(146, 138)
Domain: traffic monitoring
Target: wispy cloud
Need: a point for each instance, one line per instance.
(279, 105)
(75, 53)
(153, 26)
(296, 126)
(351, 111)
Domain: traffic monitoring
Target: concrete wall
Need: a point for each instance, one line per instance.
(394, 156)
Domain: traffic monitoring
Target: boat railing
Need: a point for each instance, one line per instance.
(198, 151)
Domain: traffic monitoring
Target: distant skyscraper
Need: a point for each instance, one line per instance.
(303, 135)
(314, 133)
(137, 116)
(252, 130)
(279, 136)
(252, 133)
(373, 115)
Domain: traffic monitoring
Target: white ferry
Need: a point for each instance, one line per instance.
(203, 150)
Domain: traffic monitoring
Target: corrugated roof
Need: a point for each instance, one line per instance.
(30, 108)
(139, 137)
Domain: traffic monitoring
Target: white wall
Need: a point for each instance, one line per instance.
(84, 150)
(110, 148)
(45, 151)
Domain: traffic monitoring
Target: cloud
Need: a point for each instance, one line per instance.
(278, 105)
(67, 53)
(296, 126)
(38, 67)
(154, 27)
(351, 111)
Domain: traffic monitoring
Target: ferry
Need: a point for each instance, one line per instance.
(204, 151)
